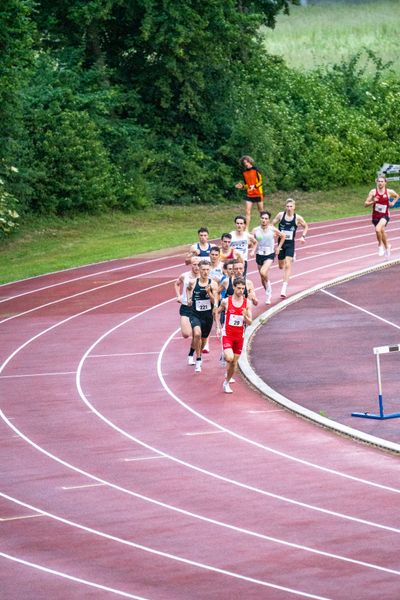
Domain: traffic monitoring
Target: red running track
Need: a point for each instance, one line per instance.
(126, 474)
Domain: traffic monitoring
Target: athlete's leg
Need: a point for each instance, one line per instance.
(197, 341)
(260, 205)
(186, 328)
(380, 230)
(248, 207)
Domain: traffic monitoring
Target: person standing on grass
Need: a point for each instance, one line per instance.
(237, 315)
(380, 198)
(252, 184)
(288, 222)
(265, 251)
(185, 312)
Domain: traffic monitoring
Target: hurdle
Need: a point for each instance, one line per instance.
(378, 351)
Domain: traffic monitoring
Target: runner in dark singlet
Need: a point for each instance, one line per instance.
(287, 222)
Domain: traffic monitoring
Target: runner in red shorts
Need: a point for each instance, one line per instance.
(237, 316)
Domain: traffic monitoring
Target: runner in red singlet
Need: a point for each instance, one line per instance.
(380, 198)
(237, 316)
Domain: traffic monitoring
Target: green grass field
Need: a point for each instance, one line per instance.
(45, 245)
(328, 32)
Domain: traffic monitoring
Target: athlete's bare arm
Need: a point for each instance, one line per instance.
(251, 293)
(177, 287)
(301, 221)
(193, 251)
(248, 317)
(394, 196)
(278, 218)
(370, 198)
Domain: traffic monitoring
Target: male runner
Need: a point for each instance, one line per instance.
(242, 240)
(216, 266)
(238, 314)
(380, 198)
(265, 251)
(202, 296)
(180, 286)
(201, 248)
(288, 221)
(227, 252)
(252, 184)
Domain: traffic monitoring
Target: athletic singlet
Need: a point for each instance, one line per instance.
(252, 177)
(381, 207)
(234, 321)
(229, 289)
(289, 227)
(204, 253)
(266, 244)
(229, 256)
(201, 301)
(241, 244)
(187, 278)
(216, 273)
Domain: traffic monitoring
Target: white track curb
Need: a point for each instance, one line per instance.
(271, 393)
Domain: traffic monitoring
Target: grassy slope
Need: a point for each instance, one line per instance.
(327, 32)
(43, 245)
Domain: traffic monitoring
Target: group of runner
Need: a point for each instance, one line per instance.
(216, 288)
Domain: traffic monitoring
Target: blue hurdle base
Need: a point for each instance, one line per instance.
(381, 415)
(372, 416)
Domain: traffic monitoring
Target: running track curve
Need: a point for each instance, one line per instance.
(125, 474)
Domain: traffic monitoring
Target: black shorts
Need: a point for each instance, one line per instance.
(376, 221)
(254, 199)
(185, 311)
(286, 250)
(205, 322)
(261, 258)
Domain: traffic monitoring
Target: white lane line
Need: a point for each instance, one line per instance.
(191, 514)
(80, 487)
(51, 374)
(95, 289)
(204, 432)
(142, 458)
(250, 441)
(364, 310)
(96, 274)
(98, 586)
(188, 561)
(3, 519)
(120, 354)
(317, 225)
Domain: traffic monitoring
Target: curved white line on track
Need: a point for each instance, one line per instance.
(92, 584)
(174, 557)
(66, 281)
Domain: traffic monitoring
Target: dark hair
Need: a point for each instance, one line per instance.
(226, 235)
(265, 212)
(202, 230)
(214, 248)
(239, 280)
(241, 217)
(204, 263)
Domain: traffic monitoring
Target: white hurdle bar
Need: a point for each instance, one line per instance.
(378, 350)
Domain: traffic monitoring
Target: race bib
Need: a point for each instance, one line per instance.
(265, 251)
(203, 305)
(236, 320)
(380, 208)
(289, 235)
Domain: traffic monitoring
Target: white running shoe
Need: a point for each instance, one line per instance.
(206, 348)
(388, 251)
(381, 250)
(231, 379)
(226, 387)
(197, 368)
(284, 290)
(191, 360)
